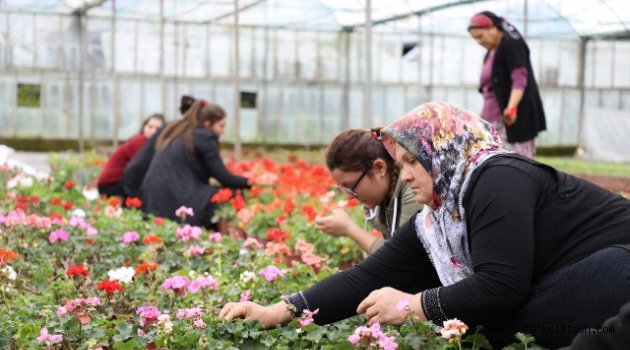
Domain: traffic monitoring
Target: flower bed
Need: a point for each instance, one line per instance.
(80, 272)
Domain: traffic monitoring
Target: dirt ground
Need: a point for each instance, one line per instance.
(612, 183)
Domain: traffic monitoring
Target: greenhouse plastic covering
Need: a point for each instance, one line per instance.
(544, 17)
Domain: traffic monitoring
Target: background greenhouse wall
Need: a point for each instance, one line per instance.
(309, 85)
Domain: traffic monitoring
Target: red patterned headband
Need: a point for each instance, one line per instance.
(480, 21)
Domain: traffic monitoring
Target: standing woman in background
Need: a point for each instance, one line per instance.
(187, 156)
(110, 180)
(359, 162)
(511, 100)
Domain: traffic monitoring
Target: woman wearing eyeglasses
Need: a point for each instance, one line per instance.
(502, 241)
(364, 170)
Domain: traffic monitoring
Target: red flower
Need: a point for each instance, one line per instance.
(222, 196)
(109, 286)
(152, 239)
(34, 199)
(55, 216)
(309, 211)
(77, 270)
(68, 205)
(56, 201)
(146, 266)
(68, 185)
(134, 202)
(114, 201)
(275, 234)
(158, 221)
(238, 202)
(7, 255)
(352, 203)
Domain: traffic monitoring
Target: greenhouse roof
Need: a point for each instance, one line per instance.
(534, 17)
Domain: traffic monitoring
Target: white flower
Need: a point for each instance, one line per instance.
(8, 272)
(78, 212)
(91, 194)
(123, 274)
(248, 276)
(26, 181)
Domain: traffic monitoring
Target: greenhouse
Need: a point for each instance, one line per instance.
(298, 72)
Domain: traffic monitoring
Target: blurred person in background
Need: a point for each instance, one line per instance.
(110, 180)
(187, 156)
(137, 168)
(511, 100)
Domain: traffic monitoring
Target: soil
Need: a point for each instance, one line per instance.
(612, 183)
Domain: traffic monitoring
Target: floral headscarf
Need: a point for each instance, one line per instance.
(450, 143)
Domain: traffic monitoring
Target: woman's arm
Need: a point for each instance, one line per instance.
(500, 211)
(401, 263)
(207, 147)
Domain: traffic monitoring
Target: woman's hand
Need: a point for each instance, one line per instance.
(268, 316)
(337, 224)
(391, 306)
(263, 179)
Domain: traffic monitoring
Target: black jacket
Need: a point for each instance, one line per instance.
(513, 53)
(138, 166)
(176, 178)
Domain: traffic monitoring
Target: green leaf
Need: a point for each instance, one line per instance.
(128, 345)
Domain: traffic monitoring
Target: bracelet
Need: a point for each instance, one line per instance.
(297, 304)
(432, 306)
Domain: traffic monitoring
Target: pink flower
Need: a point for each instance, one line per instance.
(245, 215)
(194, 250)
(61, 311)
(188, 232)
(453, 327)
(354, 338)
(148, 314)
(246, 295)
(130, 237)
(215, 237)
(190, 313)
(48, 339)
(184, 211)
(58, 235)
(402, 304)
(176, 283)
(202, 282)
(311, 259)
(251, 241)
(199, 324)
(271, 272)
(307, 317)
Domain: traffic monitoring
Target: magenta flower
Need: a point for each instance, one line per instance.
(148, 314)
(130, 237)
(57, 235)
(271, 272)
(48, 339)
(215, 237)
(246, 295)
(307, 317)
(184, 211)
(194, 250)
(176, 283)
(188, 232)
(202, 282)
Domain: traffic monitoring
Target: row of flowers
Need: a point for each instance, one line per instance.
(81, 272)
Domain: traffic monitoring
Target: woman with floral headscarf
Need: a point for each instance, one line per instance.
(502, 241)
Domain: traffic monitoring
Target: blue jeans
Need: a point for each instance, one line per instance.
(576, 299)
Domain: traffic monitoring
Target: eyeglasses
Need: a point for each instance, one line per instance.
(352, 190)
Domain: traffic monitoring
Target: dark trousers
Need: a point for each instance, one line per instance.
(573, 300)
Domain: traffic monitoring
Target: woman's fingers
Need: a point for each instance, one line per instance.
(234, 310)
